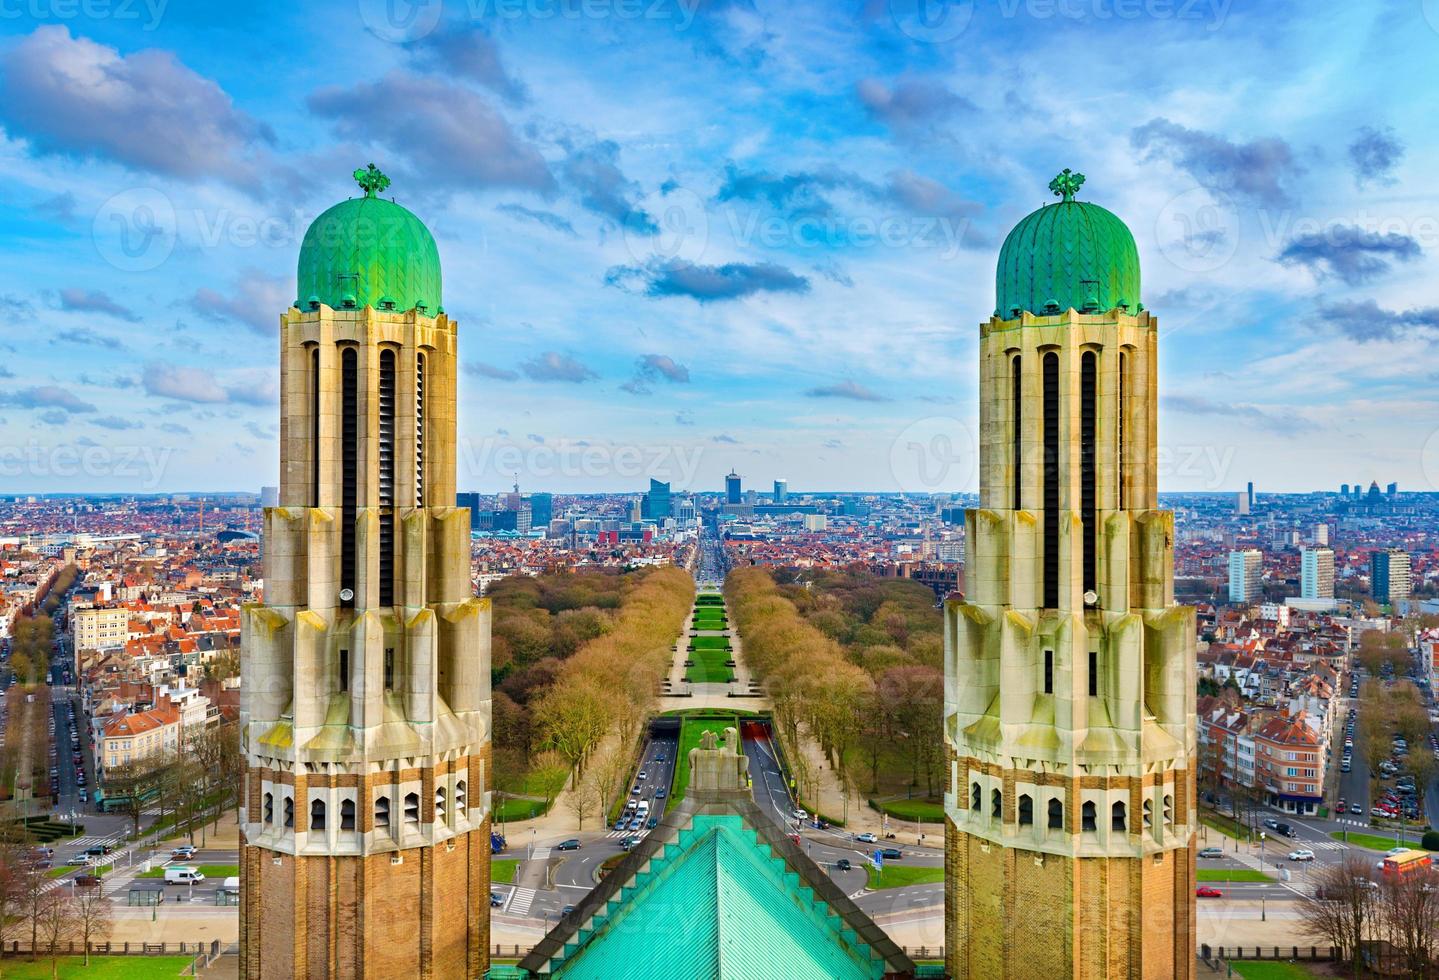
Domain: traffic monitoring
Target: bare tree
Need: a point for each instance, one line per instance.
(1408, 905)
(583, 798)
(55, 920)
(1343, 908)
(92, 918)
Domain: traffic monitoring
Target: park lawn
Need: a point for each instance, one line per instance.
(504, 870)
(1263, 970)
(1373, 841)
(692, 729)
(218, 872)
(511, 810)
(925, 811)
(898, 876)
(1225, 825)
(100, 968)
(709, 667)
(1234, 874)
(710, 642)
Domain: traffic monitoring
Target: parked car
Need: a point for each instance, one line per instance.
(79, 860)
(1208, 891)
(1303, 854)
(1211, 852)
(1271, 823)
(568, 845)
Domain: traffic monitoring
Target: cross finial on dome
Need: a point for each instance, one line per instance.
(371, 180)
(1065, 185)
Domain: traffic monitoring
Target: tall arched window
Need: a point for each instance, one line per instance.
(439, 804)
(974, 796)
(996, 804)
(1169, 811)
(382, 812)
(347, 814)
(349, 467)
(1088, 393)
(1056, 813)
(1118, 818)
(1087, 820)
(412, 809)
(289, 811)
(1026, 810)
(460, 804)
(386, 450)
(315, 427)
(317, 815)
(1051, 480)
(269, 808)
(420, 421)
(1016, 394)
(1148, 815)
(1121, 468)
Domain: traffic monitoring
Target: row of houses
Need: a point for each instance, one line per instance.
(1281, 675)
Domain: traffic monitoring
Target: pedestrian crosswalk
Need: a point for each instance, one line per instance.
(84, 842)
(520, 901)
(539, 852)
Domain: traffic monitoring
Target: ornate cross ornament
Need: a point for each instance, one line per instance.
(1066, 184)
(371, 181)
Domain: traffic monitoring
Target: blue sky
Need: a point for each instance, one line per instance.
(683, 236)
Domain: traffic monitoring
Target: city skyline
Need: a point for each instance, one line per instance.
(722, 231)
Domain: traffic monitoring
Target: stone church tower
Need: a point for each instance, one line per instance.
(1069, 721)
(365, 709)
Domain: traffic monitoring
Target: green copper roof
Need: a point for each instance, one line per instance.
(369, 252)
(715, 902)
(1068, 254)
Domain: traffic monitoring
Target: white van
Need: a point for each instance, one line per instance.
(644, 808)
(182, 875)
(231, 885)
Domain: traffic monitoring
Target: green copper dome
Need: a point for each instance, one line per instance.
(1068, 254)
(369, 252)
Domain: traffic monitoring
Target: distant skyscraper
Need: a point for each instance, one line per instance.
(1389, 575)
(471, 500)
(1321, 533)
(269, 496)
(732, 488)
(1343, 489)
(1392, 489)
(1250, 494)
(781, 491)
(1316, 580)
(1245, 575)
(1241, 504)
(542, 509)
(656, 505)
